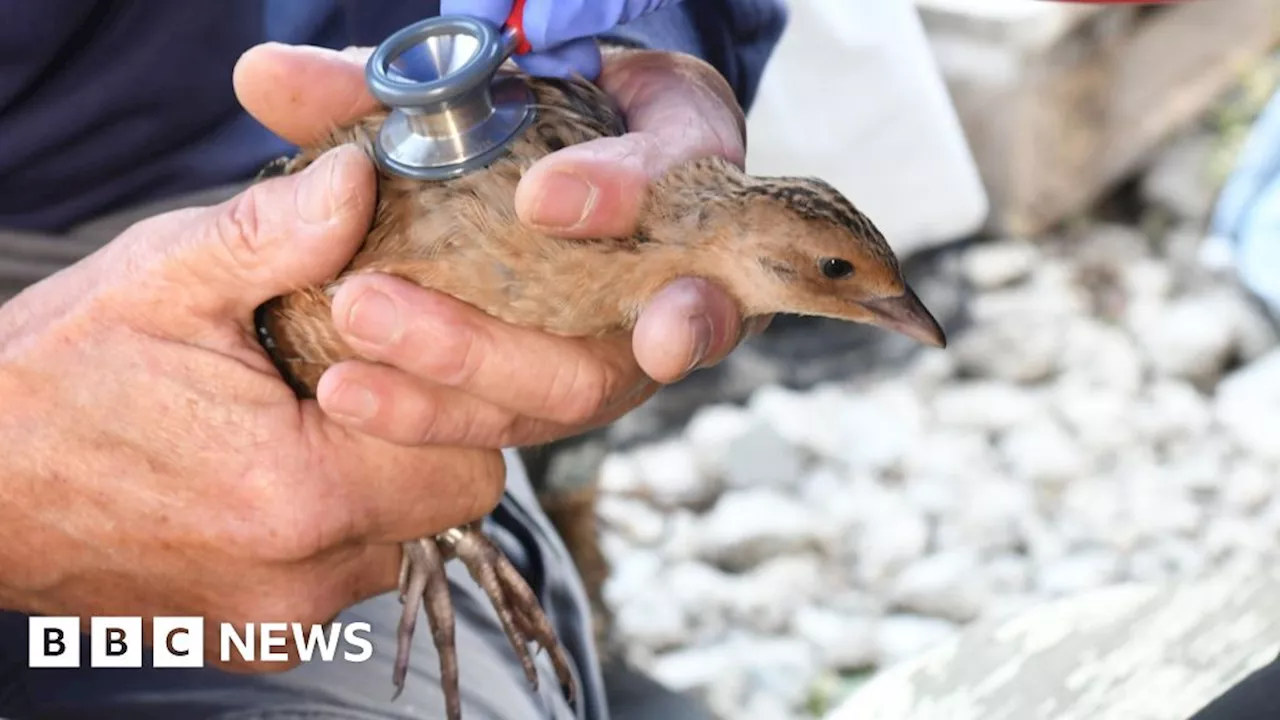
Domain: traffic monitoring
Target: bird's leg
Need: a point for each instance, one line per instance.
(423, 579)
(517, 607)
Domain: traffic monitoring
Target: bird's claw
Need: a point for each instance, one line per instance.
(423, 580)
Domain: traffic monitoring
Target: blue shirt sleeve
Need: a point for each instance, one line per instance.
(734, 36)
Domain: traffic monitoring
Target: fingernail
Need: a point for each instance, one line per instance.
(700, 330)
(565, 201)
(374, 319)
(315, 192)
(352, 401)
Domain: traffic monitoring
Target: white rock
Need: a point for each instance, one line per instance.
(900, 637)
(1171, 410)
(985, 405)
(619, 475)
(880, 426)
(1186, 338)
(670, 475)
(1110, 246)
(710, 432)
(842, 641)
(949, 453)
(653, 620)
(1147, 282)
(708, 671)
(1098, 417)
(1041, 451)
(1247, 405)
(838, 499)
(809, 420)
(1225, 537)
(631, 575)
(1092, 511)
(1044, 542)
(1020, 347)
(763, 705)
(767, 597)
(933, 495)
(728, 673)
(858, 603)
(1160, 506)
(704, 593)
(993, 265)
(1097, 355)
(1005, 607)
(931, 369)
(783, 668)
(1198, 466)
(633, 519)
(946, 585)
(1167, 560)
(894, 535)
(1248, 488)
(683, 529)
(995, 524)
(1076, 573)
(1007, 574)
(746, 527)
(760, 457)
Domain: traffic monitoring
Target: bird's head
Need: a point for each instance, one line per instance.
(811, 252)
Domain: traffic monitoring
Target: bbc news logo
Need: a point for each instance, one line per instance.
(178, 642)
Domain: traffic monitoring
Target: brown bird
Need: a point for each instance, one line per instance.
(777, 245)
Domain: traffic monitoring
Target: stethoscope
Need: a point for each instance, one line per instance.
(449, 116)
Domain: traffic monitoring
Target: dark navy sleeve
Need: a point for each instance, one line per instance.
(735, 36)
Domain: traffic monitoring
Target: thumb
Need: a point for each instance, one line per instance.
(278, 235)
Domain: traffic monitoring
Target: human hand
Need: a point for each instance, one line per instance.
(155, 463)
(559, 32)
(453, 375)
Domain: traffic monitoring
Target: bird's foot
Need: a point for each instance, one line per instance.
(423, 581)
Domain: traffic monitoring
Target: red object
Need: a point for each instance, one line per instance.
(515, 21)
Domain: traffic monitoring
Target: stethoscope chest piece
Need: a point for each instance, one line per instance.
(449, 116)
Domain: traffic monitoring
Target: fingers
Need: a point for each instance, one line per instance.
(678, 109)
(447, 342)
(301, 93)
(404, 493)
(280, 234)
(688, 324)
(408, 411)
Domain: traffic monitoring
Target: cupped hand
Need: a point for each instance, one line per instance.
(447, 373)
(560, 34)
(155, 463)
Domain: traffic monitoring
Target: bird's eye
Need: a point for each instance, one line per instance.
(836, 268)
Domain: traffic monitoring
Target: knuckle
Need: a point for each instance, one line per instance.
(456, 356)
(238, 229)
(577, 392)
(426, 425)
(489, 484)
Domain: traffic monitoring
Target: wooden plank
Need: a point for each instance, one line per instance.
(1061, 102)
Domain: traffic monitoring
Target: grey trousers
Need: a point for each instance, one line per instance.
(492, 682)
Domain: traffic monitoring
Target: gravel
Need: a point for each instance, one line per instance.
(1110, 414)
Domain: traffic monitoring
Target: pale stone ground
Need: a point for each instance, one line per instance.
(1107, 414)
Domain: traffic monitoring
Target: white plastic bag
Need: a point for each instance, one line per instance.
(853, 96)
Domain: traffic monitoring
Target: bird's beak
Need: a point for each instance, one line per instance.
(907, 315)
